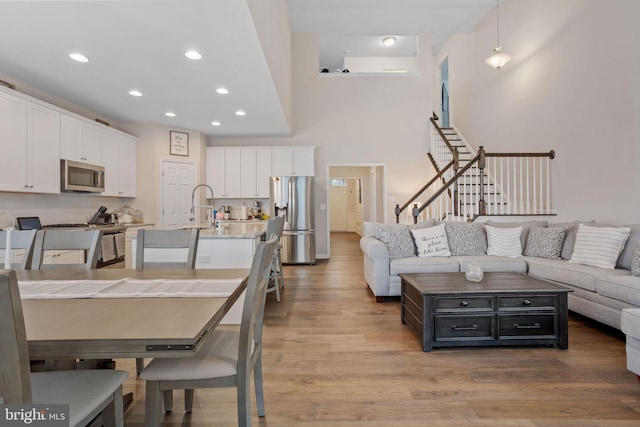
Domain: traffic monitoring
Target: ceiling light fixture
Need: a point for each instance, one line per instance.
(222, 90)
(76, 56)
(170, 114)
(135, 93)
(215, 123)
(389, 41)
(240, 113)
(192, 54)
(499, 58)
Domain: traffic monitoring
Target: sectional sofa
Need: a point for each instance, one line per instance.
(594, 260)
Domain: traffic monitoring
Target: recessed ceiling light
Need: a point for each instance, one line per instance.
(222, 90)
(170, 114)
(78, 57)
(135, 93)
(192, 54)
(389, 41)
(215, 123)
(240, 113)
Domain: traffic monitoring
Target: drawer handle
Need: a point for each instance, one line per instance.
(534, 326)
(464, 303)
(526, 302)
(465, 328)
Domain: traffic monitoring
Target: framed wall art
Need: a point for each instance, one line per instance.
(178, 143)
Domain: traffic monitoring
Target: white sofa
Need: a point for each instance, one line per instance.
(598, 293)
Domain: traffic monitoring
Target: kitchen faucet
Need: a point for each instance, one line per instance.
(193, 196)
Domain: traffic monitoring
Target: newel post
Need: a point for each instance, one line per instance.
(397, 214)
(415, 211)
(482, 204)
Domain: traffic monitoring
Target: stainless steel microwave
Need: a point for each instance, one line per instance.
(77, 176)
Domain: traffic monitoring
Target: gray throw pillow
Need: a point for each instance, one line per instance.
(635, 263)
(398, 240)
(630, 248)
(466, 238)
(545, 242)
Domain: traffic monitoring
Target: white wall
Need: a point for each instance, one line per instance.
(355, 119)
(572, 85)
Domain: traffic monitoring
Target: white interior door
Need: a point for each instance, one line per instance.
(178, 181)
(338, 206)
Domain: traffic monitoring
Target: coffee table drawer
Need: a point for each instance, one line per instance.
(459, 304)
(525, 302)
(527, 325)
(477, 327)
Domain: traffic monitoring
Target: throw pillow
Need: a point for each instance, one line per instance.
(398, 240)
(599, 246)
(545, 242)
(504, 241)
(465, 238)
(526, 226)
(630, 248)
(635, 263)
(431, 241)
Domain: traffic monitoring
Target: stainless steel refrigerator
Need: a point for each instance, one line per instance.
(292, 197)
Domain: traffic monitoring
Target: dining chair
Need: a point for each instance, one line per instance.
(276, 277)
(60, 240)
(226, 359)
(87, 392)
(155, 241)
(23, 240)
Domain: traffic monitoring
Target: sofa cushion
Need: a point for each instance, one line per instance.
(526, 226)
(431, 241)
(599, 246)
(621, 287)
(490, 263)
(397, 238)
(423, 265)
(578, 275)
(465, 238)
(635, 263)
(630, 247)
(545, 242)
(504, 241)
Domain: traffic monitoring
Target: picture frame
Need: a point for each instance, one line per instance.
(178, 143)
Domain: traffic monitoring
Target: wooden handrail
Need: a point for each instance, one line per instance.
(551, 154)
(451, 148)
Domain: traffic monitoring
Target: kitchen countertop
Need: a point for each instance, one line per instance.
(231, 230)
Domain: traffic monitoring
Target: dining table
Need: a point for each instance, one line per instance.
(124, 313)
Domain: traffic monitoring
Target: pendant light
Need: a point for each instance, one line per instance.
(499, 58)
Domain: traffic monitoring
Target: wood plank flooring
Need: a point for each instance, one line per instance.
(334, 357)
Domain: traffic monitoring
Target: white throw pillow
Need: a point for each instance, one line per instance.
(504, 241)
(431, 241)
(599, 246)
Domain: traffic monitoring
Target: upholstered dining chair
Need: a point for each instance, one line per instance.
(276, 280)
(167, 240)
(226, 359)
(183, 241)
(23, 240)
(60, 240)
(87, 392)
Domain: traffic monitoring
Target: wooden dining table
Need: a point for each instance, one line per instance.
(106, 325)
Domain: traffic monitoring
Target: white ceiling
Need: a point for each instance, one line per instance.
(141, 44)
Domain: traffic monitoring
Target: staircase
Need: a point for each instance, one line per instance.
(469, 184)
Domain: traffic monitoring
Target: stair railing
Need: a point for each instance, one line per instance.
(489, 184)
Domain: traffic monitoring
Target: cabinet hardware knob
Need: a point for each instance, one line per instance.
(526, 302)
(464, 303)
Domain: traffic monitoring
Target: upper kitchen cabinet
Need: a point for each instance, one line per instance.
(223, 172)
(31, 162)
(118, 152)
(79, 140)
(255, 166)
(294, 161)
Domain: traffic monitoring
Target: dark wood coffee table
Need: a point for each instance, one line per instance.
(503, 309)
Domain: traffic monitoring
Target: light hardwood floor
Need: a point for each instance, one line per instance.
(333, 357)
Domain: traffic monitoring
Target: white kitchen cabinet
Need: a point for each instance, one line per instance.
(223, 172)
(31, 132)
(79, 140)
(118, 154)
(294, 161)
(255, 166)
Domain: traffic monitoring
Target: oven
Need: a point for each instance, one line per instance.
(111, 249)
